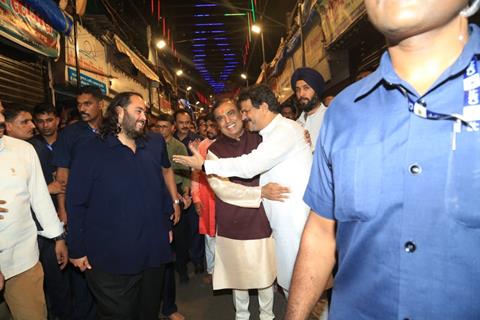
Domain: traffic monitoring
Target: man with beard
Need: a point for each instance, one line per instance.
(394, 184)
(308, 86)
(121, 197)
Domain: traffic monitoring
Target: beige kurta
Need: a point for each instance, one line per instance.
(244, 264)
(241, 264)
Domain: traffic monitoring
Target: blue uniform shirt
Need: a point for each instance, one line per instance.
(189, 138)
(407, 206)
(45, 155)
(118, 205)
(68, 140)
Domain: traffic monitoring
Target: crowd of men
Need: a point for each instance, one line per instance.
(374, 195)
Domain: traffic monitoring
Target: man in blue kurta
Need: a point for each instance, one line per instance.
(394, 188)
(120, 195)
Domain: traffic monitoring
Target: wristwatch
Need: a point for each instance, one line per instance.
(63, 236)
(176, 201)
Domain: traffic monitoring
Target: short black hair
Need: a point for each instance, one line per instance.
(181, 111)
(259, 94)
(12, 110)
(95, 91)
(288, 105)
(45, 108)
(210, 117)
(165, 117)
(201, 118)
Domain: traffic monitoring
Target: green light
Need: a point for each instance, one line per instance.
(234, 14)
(253, 11)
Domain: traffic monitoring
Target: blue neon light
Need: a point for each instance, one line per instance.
(209, 24)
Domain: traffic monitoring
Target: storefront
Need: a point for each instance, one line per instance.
(27, 44)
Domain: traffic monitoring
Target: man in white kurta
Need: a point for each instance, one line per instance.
(283, 157)
(22, 186)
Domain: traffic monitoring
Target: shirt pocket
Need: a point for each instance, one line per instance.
(462, 189)
(357, 176)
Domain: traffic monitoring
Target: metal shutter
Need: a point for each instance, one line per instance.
(22, 82)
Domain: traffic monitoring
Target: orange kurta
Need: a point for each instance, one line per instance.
(202, 193)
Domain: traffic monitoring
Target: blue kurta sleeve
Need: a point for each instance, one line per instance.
(61, 151)
(80, 185)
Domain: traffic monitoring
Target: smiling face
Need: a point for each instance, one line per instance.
(134, 118)
(229, 120)
(253, 117)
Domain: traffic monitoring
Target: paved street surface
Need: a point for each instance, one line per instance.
(197, 301)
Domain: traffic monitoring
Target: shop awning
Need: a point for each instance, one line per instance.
(135, 59)
(51, 13)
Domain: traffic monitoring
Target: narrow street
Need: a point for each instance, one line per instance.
(197, 301)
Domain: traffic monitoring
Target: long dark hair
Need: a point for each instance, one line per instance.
(110, 123)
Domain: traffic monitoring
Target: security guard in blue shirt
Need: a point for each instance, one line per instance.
(395, 184)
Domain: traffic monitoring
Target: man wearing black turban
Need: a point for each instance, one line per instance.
(308, 85)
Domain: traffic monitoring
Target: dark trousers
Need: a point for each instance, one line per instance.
(56, 283)
(197, 240)
(169, 291)
(83, 304)
(127, 297)
(181, 244)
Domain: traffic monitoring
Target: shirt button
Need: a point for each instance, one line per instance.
(415, 169)
(410, 247)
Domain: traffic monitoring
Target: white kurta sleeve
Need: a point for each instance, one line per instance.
(40, 199)
(234, 193)
(269, 153)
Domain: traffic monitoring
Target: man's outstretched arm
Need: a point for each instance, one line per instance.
(315, 261)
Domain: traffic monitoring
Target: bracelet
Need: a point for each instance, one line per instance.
(176, 201)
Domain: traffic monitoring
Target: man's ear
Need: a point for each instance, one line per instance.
(120, 113)
(264, 107)
(8, 126)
